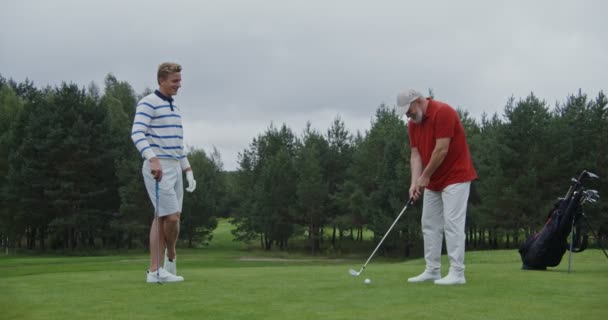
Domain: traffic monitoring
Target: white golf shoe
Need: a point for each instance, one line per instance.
(170, 266)
(425, 276)
(161, 275)
(451, 279)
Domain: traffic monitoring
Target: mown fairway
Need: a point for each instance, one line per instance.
(226, 282)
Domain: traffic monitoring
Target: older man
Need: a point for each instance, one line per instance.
(442, 171)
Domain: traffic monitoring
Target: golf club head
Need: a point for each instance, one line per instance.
(354, 272)
(591, 175)
(591, 195)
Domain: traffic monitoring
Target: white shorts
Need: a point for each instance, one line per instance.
(170, 188)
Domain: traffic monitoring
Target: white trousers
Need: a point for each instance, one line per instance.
(445, 212)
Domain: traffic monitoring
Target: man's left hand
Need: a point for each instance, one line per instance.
(422, 182)
(191, 181)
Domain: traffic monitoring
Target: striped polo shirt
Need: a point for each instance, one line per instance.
(157, 129)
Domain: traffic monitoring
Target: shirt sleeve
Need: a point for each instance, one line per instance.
(410, 133)
(445, 123)
(143, 116)
(184, 163)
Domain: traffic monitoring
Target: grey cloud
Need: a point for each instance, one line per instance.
(250, 63)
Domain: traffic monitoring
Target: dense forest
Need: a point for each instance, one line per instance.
(70, 177)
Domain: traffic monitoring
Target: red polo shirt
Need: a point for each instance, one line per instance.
(441, 121)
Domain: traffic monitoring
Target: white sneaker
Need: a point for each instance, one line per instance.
(161, 275)
(451, 279)
(170, 266)
(425, 276)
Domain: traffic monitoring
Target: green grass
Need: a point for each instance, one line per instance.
(221, 285)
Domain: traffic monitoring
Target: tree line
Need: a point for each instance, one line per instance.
(70, 177)
(327, 185)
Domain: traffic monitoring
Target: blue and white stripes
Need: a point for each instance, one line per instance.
(157, 129)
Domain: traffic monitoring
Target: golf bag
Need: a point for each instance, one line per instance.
(547, 247)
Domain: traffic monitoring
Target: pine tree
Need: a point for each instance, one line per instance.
(312, 187)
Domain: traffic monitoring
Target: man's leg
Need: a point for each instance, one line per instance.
(156, 272)
(432, 231)
(171, 225)
(171, 231)
(166, 203)
(157, 244)
(455, 199)
(156, 236)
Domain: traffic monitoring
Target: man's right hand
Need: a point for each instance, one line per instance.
(156, 169)
(415, 192)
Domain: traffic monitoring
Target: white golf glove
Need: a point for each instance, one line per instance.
(191, 181)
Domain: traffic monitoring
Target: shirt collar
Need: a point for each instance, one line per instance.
(430, 109)
(162, 96)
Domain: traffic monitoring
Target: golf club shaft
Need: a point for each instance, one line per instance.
(386, 234)
(597, 239)
(157, 232)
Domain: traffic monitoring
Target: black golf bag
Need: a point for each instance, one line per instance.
(547, 247)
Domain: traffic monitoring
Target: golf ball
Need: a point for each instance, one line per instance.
(367, 281)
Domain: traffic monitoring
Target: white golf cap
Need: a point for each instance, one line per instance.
(406, 97)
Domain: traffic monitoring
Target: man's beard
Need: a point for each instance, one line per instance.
(417, 117)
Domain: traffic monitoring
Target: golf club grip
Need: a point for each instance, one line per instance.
(387, 232)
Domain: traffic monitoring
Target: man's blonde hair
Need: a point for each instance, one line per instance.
(167, 68)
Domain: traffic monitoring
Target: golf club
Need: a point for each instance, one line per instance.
(590, 175)
(356, 273)
(591, 196)
(157, 234)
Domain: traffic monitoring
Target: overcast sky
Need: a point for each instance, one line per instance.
(248, 64)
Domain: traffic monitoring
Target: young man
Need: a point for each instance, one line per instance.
(158, 136)
(441, 167)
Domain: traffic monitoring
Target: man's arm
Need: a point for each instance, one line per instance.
(416, 168)
(143, 116)
(442, 146)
